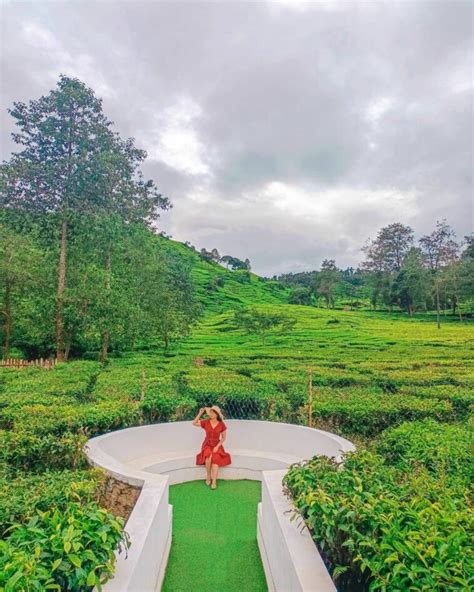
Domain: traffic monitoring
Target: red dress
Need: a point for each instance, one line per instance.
(221, 457)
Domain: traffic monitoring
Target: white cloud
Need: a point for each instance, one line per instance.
(284, 227)
(303, 5)
(377, 108)
(328, 205)
(82, 65)
(174, 141)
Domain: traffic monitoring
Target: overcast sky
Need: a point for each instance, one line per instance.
(285, 132)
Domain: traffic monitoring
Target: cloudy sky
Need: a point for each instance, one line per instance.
(286, 132)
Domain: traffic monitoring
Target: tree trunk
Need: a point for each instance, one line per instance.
(60, 342)
(67, 348)
(106, 334)
(437, 304)
(105, 346)
(7, 318)
(454, 305)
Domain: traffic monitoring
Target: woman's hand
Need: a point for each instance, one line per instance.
(216, 448)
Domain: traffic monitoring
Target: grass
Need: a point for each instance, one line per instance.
(214, 543)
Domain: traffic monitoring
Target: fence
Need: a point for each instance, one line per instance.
(46, 363)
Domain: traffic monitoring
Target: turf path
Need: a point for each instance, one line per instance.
(214, 545)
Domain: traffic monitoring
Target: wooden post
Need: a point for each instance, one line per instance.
(310, 398)
(142, 385)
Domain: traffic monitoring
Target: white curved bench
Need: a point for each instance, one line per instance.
(157, 455)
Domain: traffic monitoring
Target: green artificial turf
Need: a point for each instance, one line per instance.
(214, 546)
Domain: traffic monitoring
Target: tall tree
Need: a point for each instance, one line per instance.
(411, 283)
(439, 250)
(466, 271)
(384, 257)
(73, 165)
(388, 250)
(327, 280)
(53, 172)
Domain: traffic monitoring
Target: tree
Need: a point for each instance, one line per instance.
(210, 256)
(387, 251)
(439, 250)
(411, 284)
(21, 271)
(52, 174)
(327, 279)
(466, 270)
(384, 257)
(72, 165)
(257, 322)
(168, 306)
(300, 295)
(235, 263)
(228, 260)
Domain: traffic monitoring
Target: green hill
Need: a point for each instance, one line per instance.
(220, 289)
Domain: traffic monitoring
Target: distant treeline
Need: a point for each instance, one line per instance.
(435, 274)
(213, 256)
(80, 270)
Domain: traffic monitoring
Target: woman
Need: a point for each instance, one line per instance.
(212, 452)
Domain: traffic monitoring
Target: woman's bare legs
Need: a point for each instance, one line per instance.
(208, 470)
(214, 470)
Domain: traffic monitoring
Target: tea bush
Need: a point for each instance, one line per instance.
(368, 413)
(22, 494)
(380, 528)
(35, 453)
(68, 549)
(166, 404)
(445, 450)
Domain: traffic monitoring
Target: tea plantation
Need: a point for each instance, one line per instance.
(396, 516)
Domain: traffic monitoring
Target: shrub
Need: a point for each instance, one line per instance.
(379, 528)
(443, 449)
(23, 494)
(96, 418)
(36, 453)
(165, 404)
(68, 549)
(367, 413)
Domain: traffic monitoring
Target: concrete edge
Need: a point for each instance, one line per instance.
(263, 551)
(293, 557)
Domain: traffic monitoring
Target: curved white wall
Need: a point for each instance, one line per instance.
(158, 455)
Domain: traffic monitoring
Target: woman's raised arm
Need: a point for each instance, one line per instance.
(196, 420)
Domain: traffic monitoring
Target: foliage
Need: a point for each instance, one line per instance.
(68, 549)
(258, 322)
(24, 493)
(383, 529)
(445, 450)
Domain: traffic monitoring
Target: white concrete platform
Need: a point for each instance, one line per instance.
(157, 455)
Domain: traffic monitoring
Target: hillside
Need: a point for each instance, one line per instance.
(220, 289)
